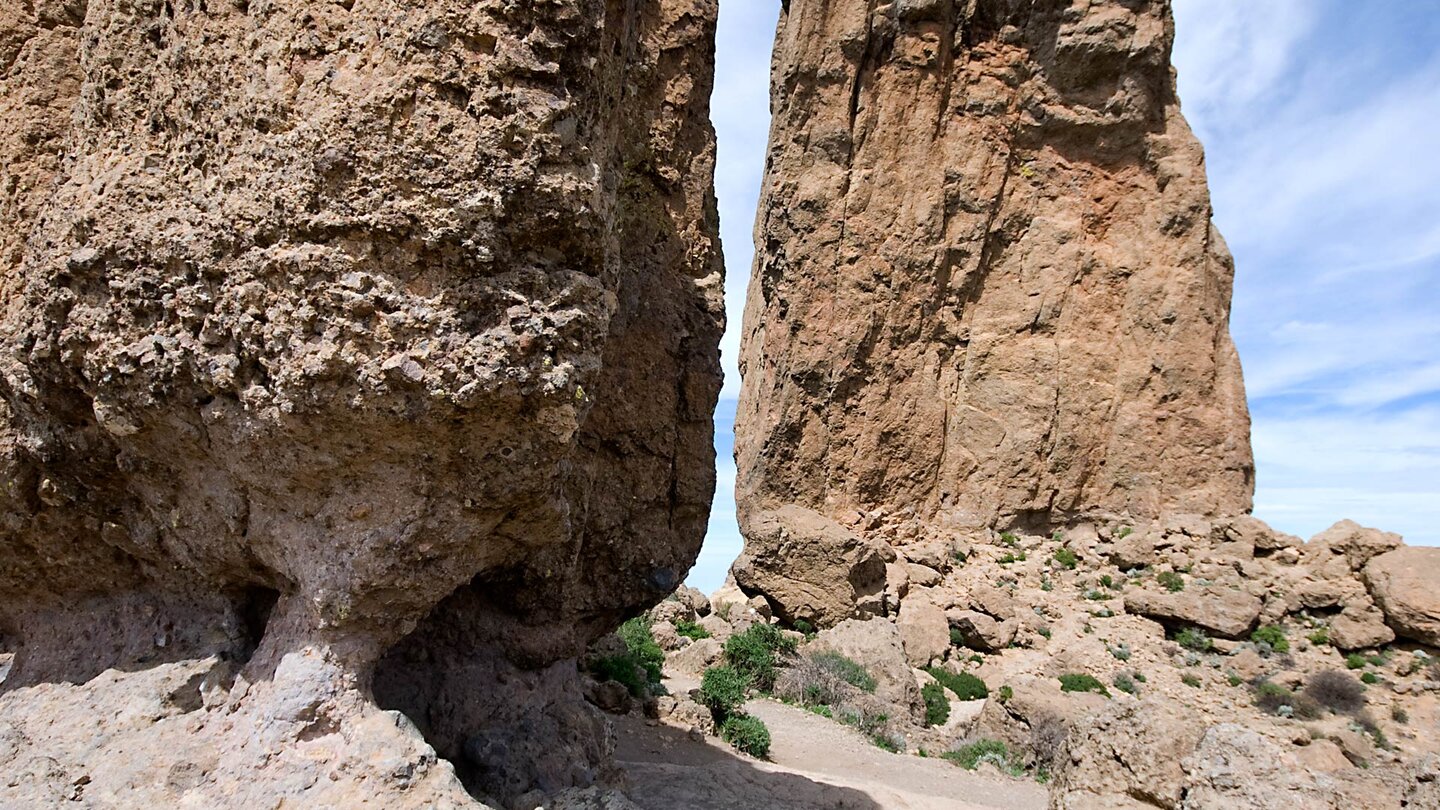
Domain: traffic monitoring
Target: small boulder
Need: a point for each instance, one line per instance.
(979, 631)
(610, 696)
(1356, 629)
(922, 576)
(696, 657)
(667, 637)
(1225, 611)
(924, 632)
(694, 599)
(875, 645)
(1405, 583)
(1351, 541)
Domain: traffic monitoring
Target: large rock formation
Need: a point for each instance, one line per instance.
(987, 288)
(329, 325)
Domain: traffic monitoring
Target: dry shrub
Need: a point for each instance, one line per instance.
(1336, 690)
(1048, 733)
(811, 681)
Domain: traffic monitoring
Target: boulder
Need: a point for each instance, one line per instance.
(1405, 583)
(696, 657)
(1355, 629)
(1236, 767)
(1258, 535)
(694, 599)
(922, 576)
(979, 631)
(924, 632)
(807, 566)
(1350, 541)
(1225, 611)
(1130, 749)
(877, 646)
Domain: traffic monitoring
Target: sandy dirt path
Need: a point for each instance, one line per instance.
(814, 763)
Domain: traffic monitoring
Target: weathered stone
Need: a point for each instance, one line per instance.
(1358, 629)
(876, 645)
(924, 632)
(1129, 750)
(807, 566)
(979, 631)
(987, 285)
(1405, 583)
(384, 336)
(1350, 541)
(1226, 611)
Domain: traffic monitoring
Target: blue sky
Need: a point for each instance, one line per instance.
(1321, 125)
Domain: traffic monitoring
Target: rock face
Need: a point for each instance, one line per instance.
(808, 567)
(987, 288)
(380, 335)
(1403, 583)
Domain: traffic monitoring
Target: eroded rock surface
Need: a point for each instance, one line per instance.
(328, 324)
(987, 289)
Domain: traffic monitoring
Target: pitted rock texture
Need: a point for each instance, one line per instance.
(987, 289)
(319, 313)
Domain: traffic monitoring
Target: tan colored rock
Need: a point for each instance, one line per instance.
(1132, 749)
(979, 631)
(877, 646)
(696, 657)
(380, 335)
(1236, 767)
(1406, 585)
(1350, 541)
(924, 632)
(807, 566)
(987, 285)
(1225, 611)
(922, 576)
(1323, 756)
(1358, 629)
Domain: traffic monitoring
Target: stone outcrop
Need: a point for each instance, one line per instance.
(370, 349)
(809, 567)
(987, 291)
(1405, 583)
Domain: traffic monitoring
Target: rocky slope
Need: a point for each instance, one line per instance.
(987, 290)
(351, 352)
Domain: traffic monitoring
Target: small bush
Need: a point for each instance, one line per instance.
(1377, 660)
(1193, 638)
(1010, 557)
(1067, 558)
(846, 669)
(747, 734)
(1234, 680)
(1005, 694)
(1336, 691)
(636, 635)
(1125, 684)
(1140, 676)
(1125, 531)
(957, 639)
(1273, 636)
(1048, 733)
(937, 706)
(1107, 582)
(691, 630)
(1009, 539)
(623, 669)
(1369, 678)
(1082, 682)
(963, 684)
(756, 653)
(1270, 697)
(1321, 637)
(722, 691)
(804, 628)
(1121, 651)
(1399, 715)
(1354, 661)
(1190, 679)
(1170, 581)
(972, 755)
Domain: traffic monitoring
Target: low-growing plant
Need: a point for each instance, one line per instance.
(641, 644)
(1096, 595)
(972, 755)
(1170, 581)
(1009, 539)
(937, 705)
(1234, 680)
(1125, 531)
(1004, 694)
(1140, 676)
(957, 638)
(1369, 678)
(1107, 581)
(846, 669)
(1046, 585)
(691, 630)
(1273, 636)
(804, 628)
(1399, 715)
(722, 691)
(1125, 684)
(1011, 557)
(756, 654)
(1121, 651)
(1272, 697)
(1067, 558)
(1043, 631)
(622, 669)
(1190, 679)
(1320, 637)
(1335, 690)
(1193, 638)
(963, 684)
(747, 733)
(1354, 661)
(1082, 682)
(822, 678)
(1378, 660)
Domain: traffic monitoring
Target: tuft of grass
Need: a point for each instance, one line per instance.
(995, 752)
(1067, 558)
(846, 669)
(1009, 540)
(1170, 581)
(1369, 678)
(748, 734)
(1082, 682)
(1125, 531)
(1106, 581)
(691, 630)
(1354, 661)
(963, 684)
(1320, 637)
(1193, 638)
(1005, 694)
(937, 706)
(1125, 684)
(1273, 636)
(1121, 651)
(1011, 557)
(1190, 679)
(1234, 680)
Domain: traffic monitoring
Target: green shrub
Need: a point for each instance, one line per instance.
(1272, 635)
(691, 630)
(1121, 651)
(1009, 539)
(636, 635)
(722, 691)
(1106, 581)
(1190, 679)
(846, 669)
(756, 653)
(1125, 683)
(1399, 715)
(937, 705)
(1270, 697)
(1082, 682)
(1005, 694)
(1170, 581)
(747, 734)
(623, 669)
(1320, 637)
(971, 756)
(1140, 676)
(1377, 660)
(1354, 661)
(1193, 638)
(963, 684)
(1125, 531)
(804, 628)
(1234, 680)
(1010, 557)
(957, 639)
(1067, 558)
(1369, 677)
